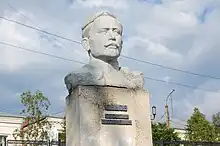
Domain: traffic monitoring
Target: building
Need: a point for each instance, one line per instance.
(181, 133)
(8, 123)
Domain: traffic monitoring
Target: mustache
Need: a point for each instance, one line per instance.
(112, 44)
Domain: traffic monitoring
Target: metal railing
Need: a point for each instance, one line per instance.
(155, 143)
(184, 143)
(34, 143)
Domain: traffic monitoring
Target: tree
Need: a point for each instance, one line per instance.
(216, 123)
(63, 132)
(199, 129)
(161, 132)
(37, 126)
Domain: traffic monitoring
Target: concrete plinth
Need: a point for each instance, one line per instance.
(108, 116)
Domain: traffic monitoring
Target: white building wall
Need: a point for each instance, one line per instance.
(56, 127)
(181, 133)
(9, 123)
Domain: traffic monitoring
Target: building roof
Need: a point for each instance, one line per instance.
(20, 116)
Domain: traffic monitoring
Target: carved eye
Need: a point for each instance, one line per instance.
(103, 31)
(117, 31)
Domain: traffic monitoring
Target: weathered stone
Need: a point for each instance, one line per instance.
(102, 38)
(107, 105)
(86, 110)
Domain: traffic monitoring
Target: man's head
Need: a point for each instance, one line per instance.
(102, 36)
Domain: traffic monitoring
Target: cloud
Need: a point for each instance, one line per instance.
(152, 1)
(122, 4)
(207, 102)
(169, 33)
(152, 48)
(12, 33)
(210, 102)
(15, 59)
(167, 79)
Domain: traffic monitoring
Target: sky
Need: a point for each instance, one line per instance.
(181, 34)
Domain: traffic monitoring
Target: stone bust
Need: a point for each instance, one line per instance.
(102, 39)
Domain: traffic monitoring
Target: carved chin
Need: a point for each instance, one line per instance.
(108, 53)
(112, 52)
(112, 55)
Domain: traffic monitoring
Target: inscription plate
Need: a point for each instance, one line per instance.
(116, 108)
(116, 122)
(116, 116)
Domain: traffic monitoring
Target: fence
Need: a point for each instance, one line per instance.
(34, 143)
(155, 143)
(184, 143)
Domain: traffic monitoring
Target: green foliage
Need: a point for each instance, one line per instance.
(35, 112)
(199, 129)
(216, 123)
(216, 119)
(63, 133)
(161, 132)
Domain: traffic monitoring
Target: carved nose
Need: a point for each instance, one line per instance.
(111, 35)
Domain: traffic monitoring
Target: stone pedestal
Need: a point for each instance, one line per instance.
(108, 116)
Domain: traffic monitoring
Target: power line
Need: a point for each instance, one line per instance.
(40, 30)
(23, 15)
(170, 68)
(42, 53)
(142, 61)
(161, 117)
(39, 26)
(177, 123)
(183, 85)
(56, 113)
(66, 59)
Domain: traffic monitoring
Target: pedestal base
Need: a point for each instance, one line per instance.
(108, 116)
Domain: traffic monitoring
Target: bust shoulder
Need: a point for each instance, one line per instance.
(87, 75)
(126, 70)
(135, 77)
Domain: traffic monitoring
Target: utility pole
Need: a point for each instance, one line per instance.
(167, 110)
(167, 116)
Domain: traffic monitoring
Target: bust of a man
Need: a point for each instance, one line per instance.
(102, 39)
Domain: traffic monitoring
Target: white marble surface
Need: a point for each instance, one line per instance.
(85, 109)
(102, 38)
(121, 78)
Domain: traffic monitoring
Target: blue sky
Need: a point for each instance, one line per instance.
(182, 34)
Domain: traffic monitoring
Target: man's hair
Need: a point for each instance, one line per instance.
(87, 27)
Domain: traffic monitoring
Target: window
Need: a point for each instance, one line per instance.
(2, 140)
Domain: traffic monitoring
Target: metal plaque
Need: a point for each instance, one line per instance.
(116, 116)
(116, 108)
(116, 122)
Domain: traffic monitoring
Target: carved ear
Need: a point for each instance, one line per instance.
(85, 44)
